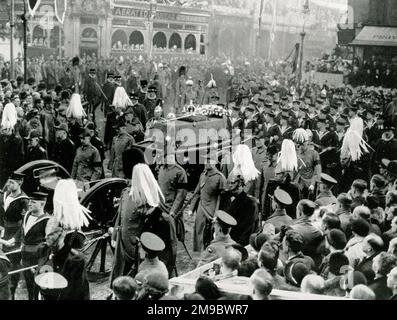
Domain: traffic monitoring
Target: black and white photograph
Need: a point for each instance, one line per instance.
(198, 155)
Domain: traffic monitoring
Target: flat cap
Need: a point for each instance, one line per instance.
(51, 280)
(282, 197)
(152, 242)
(39, 196)
(225, 218)
(328, 179)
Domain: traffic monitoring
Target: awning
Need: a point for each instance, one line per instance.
(376, 36)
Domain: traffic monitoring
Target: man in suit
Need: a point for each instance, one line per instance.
(138, 109)
(372, 246)
(392, 282)
(382, 264)
(12, 210)
(326, 197)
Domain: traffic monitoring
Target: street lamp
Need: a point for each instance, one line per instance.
(305, 12)
(151, 15)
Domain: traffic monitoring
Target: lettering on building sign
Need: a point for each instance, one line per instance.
(390, 37)
(169, 16)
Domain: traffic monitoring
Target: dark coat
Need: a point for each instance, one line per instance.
(92, 91)
(311, 235)
(365, 266)
(141, 113)
(35, 153)
(11, 218)
(244, 209)
(162, 225)
(71, 264)
(11, 156)
(379, 287)
(33, 238)
(64, 153)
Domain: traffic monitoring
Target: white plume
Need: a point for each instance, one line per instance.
(353, 144)
(144, 187)
(75, 109)
(244, 164)
(121, 99)
(287, 157)
(300, 135)
(67, 208)
(9, 117)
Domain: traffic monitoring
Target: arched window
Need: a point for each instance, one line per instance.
(160, 40)
(175, 42)
(190, 42)
(89, 34)
(136, 38)
(38, 36)
(54, 37)
(119, 39)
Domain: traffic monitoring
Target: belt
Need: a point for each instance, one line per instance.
(30, 248)
(12, 224)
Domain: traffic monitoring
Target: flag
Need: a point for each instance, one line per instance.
(61, 7)
(33, 5)
(295, 58)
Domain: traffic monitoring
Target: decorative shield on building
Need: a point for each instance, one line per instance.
(33, 5)
(60, 10)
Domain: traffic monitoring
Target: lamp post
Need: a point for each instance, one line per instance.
(151, 16)
(25, 43)
(12, 26)
(306, 12)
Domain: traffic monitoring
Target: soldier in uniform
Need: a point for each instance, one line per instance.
(206, 198)
(14, 207)
(138, 109)
(109, 88)
(273, 133)
(93, 93)
(280, 201)
(87, 165)
(172, 179)
(35, 150)
(285, 129)
(223, 224)
(158, 118)
(60, 251)
(151, 101)
(33, 227)
(121, 142)
(153, 245)
(64, 148)
(326, 197)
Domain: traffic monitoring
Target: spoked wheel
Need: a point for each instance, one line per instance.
(102, 200)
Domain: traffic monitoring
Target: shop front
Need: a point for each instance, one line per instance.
(141, 29)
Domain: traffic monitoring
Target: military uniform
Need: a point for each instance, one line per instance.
(172, 178)
(87, 165)
(326, 198)
(217, 246)
(33, 235)
(207, 193)
(12, 213)
(153, 245)
(121, 142)
(128, 226)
